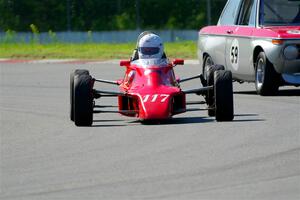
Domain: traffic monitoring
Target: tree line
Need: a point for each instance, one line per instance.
(100, 15)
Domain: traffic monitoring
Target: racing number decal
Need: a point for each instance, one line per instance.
(153, 98)
(164, 97)
(234, 54)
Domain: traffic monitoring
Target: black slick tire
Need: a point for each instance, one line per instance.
(76, 72)
(83, 100)
(210, 82)
(224, 110)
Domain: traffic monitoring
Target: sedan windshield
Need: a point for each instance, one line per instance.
(280, 12)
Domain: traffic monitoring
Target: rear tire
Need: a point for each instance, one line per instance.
(267, 80)
(76, 72)
(83, 100)
(210, 82)
(223, 95)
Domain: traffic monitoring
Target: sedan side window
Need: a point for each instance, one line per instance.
(247, 13)
(229, 13)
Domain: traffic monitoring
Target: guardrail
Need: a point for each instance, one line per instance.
(96, 37)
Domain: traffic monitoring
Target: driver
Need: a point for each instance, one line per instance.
(149, 46)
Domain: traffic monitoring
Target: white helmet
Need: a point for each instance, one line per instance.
(150, 46)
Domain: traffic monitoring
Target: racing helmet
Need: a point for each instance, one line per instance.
(150, 46)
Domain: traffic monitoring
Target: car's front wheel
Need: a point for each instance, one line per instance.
(76, 72)
(266, 78)
(83, 100)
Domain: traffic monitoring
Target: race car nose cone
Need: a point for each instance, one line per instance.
(155, 106)
(159, 111)
(153, 78)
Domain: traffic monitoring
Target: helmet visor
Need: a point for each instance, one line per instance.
(149, 50)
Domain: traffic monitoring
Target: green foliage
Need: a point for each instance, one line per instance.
(9, 37)
(35, 32)
(97, 15)
(34, 29)
(52, 36)
(90, 36)
(123, 22)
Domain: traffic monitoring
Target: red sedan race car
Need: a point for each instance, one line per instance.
(149, 89)
(258, 41)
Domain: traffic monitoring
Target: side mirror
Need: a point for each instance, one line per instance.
(178, 62)
(125, 63)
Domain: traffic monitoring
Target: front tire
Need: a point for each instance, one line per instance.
(266, 78)
(76, 72)
(83, 100)
(223, 95)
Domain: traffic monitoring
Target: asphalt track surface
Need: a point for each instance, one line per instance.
(45, 156)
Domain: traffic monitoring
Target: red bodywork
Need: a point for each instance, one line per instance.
(151, 92)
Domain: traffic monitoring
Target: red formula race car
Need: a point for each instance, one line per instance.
(150, 91)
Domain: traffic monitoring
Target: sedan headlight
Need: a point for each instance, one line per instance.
(290, 52)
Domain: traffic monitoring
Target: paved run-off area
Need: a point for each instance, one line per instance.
(45, 156)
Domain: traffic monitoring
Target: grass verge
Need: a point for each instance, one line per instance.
(186, 50)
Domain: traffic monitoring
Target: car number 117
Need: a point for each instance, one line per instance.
(155, 97)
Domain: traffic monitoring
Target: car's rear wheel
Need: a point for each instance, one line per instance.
(76, 72)
(83, 100)
(267, 80)
(224, 110)
(210, 82)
